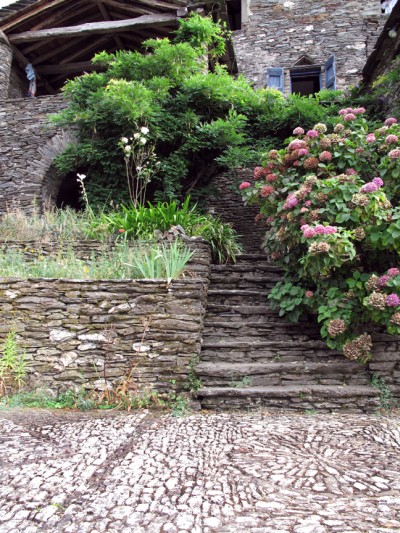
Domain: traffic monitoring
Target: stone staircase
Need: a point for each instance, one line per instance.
(251, 357)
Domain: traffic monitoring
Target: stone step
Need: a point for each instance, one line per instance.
(333, 371)
(321, 398)
(255, 326)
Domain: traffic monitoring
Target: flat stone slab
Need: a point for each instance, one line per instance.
(148, 473)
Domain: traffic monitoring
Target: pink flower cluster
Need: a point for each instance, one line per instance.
(393, 300)
(298, 131)
(303, 151)
(259, 173)
(372, 186)
(349, 117)
(297, 144)
(351, 172)
(319, 229)
(392, 272)
(244, 185)
(325, 156)
(291, 201)
(391, 139)
(390, 121)
(312, 133)
(270, 177)
(371, 138)
(309, 294)
(267, 190)
(394, 154)
(351, 111)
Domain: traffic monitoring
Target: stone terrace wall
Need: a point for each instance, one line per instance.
(228, 204)
(74, 331)
(28, 145)
(279, 32)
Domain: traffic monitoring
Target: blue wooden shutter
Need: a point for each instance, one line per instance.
(275, 78)
(330, 74)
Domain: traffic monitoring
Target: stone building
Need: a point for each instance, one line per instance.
(303, 46)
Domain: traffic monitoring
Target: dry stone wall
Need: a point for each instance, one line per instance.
(80, 333)
(28, 146)
(280, 32)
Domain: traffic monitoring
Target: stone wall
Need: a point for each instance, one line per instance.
(5, 65)
(28, 146)
(226, 202)
(280, 32)
(75, 332)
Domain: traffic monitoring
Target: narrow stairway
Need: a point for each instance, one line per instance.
(251, 357)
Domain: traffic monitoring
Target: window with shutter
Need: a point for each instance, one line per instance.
(330, 74)
(275, 79)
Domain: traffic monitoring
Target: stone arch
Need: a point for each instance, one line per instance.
(48, 178)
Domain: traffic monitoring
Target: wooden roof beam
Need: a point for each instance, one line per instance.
(23, 61)
(28, 13)
(145, 21)
(60, 15)
(106, 16)
(68, 68)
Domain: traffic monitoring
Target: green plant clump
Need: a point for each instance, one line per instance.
(12, 366)
(331, 204)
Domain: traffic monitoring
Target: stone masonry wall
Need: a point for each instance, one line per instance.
(28, 146)
(5, 66)
(75, 332)
(279, 32)
(228, 204)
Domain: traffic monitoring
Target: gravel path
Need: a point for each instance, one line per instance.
(145, 473)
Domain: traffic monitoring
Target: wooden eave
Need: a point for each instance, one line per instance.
(385, 49)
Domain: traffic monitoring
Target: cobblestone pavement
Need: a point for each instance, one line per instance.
(145, 473)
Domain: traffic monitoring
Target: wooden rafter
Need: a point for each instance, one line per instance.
(41, 7)
(66, 47)
(124, 9)
(145, 21)
(91, 47)
(67, 68)
(61, 15)
(106, 16)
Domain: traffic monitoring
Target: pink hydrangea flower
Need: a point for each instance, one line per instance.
(351, 172)
(392, 272)
(304, 210)
(267, 190)
(309, 232)
(273, 154)
(298, 131)
(307, 203)
(304, 227)
(349, 117)
(359, 110)
(371, 138)
(383, 280)
(391, 139)
(343, 112)
(390, 121)
(244, 185)
(349, 110)
(258, 173)
(319, 229)
(394, 154)
(378, 182)
(325, 156)
(330, 230)
(309, 294)
(312, 133)
(297, 144)
(291, 201)
(270, 177)
(393, 300)
(303, 151)
(369, 187)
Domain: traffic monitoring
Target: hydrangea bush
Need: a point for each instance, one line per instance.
(331, 205)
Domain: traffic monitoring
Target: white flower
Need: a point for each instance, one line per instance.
(127, 148)
(144, 130)
(136, 135)
(124, 140)
(81, 177)
(143, 140)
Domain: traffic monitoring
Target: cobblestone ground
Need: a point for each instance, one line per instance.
(69, 472)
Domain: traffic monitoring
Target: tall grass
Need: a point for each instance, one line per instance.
(123, 262)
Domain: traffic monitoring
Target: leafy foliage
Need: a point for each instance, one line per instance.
(331, 205)
(199, 121)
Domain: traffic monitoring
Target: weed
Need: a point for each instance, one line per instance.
(277, 357)
(302, 395)
(310, 412)
(194, 383)
(386, 399)
(12, 366)
(244, 382)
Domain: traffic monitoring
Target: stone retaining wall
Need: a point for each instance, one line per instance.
(80, 333)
